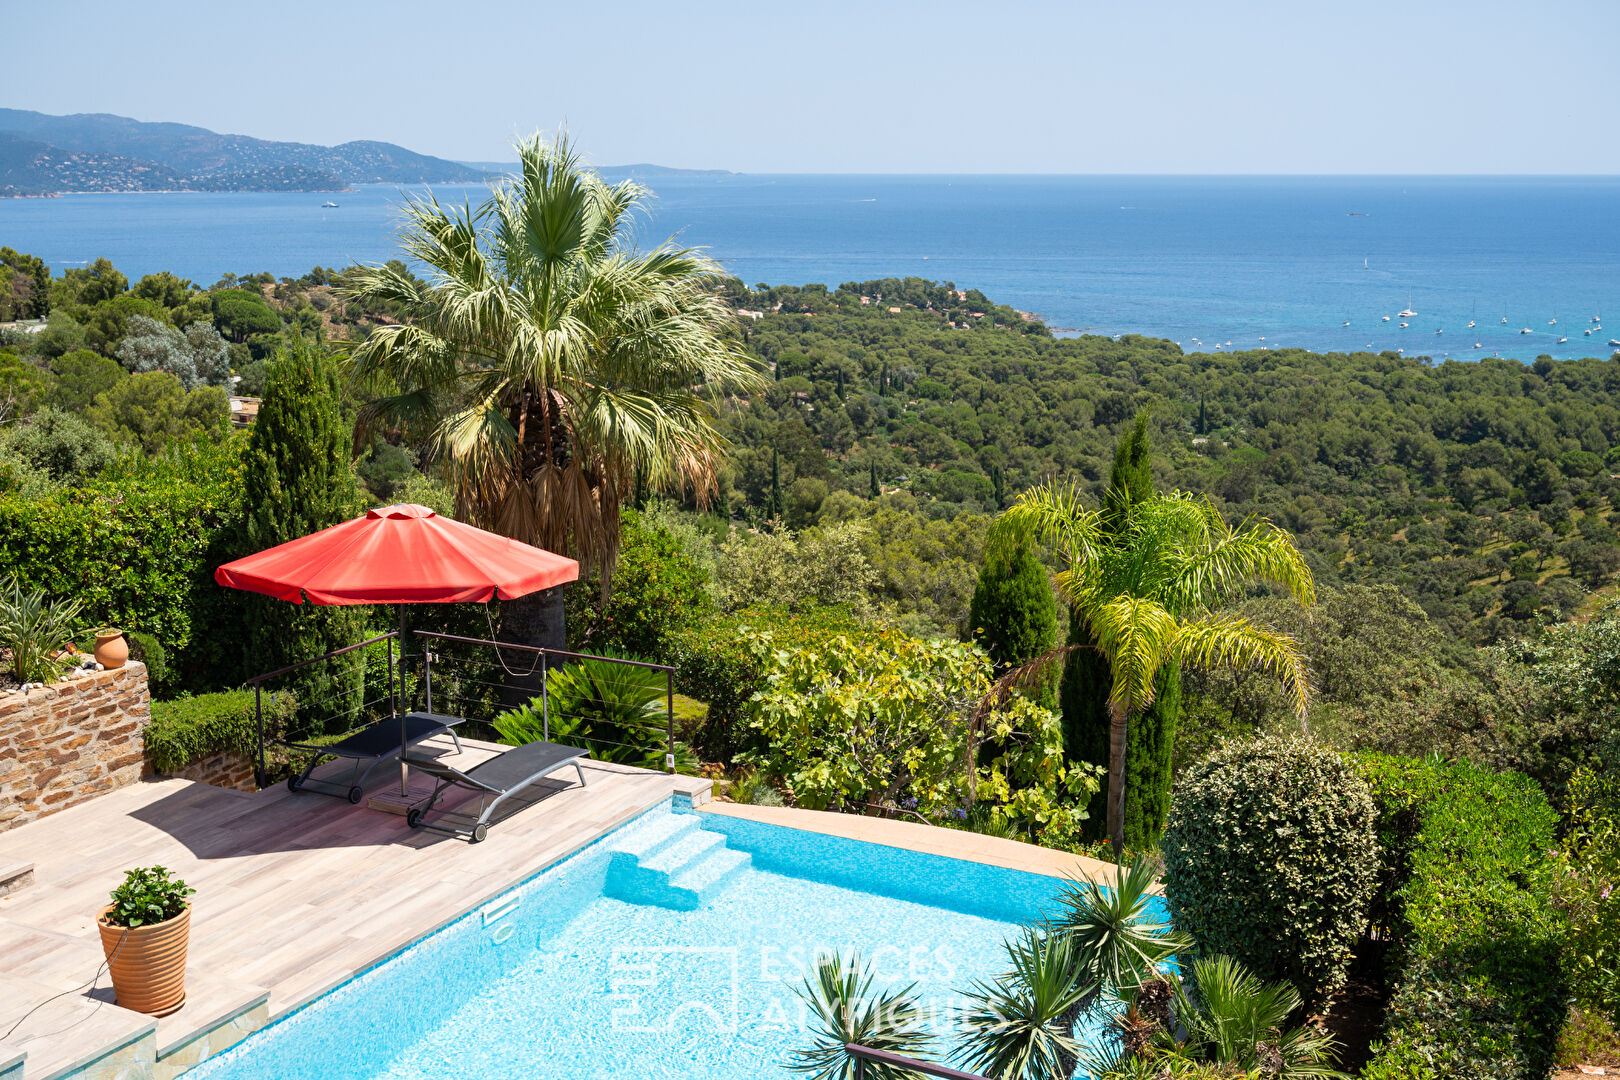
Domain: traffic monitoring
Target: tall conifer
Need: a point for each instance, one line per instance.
(296, 480)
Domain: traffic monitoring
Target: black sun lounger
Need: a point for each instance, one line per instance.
(495, 780)
(368, 748)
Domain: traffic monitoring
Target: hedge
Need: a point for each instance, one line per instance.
(187, 730)
(140, 554)
(1467, 903)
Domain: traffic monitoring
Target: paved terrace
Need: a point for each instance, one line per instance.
(295, 894)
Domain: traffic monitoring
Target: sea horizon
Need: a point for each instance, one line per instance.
(1227, 261)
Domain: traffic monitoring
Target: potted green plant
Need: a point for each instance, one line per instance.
(144, 934)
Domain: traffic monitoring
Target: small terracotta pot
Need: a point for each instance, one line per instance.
(112, 651)
(148, 963)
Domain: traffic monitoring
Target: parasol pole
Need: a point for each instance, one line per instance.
(404, 769)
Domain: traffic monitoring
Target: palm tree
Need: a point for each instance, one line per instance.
(1147, 578)
(548, 366)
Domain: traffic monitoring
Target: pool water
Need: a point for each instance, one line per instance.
(670, 948)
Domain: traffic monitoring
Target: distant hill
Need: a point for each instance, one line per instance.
(42, 155)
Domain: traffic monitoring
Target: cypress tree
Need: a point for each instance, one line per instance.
(998, 485)
(876, 488)
(296, 480)
(1087, 680)
(1013, 613)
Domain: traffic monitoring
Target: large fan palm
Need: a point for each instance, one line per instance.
(549, 366)
(1148, 579)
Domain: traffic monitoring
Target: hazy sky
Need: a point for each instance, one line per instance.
(1241, 86)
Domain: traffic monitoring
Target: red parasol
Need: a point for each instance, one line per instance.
(404, 554)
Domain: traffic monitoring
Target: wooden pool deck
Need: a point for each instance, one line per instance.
(295, 894)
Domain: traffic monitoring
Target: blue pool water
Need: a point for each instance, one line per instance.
(669, 948)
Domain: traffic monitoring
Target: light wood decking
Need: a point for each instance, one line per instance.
(295, 893)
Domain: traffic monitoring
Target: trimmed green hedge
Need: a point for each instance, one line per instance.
(187, 730)
(1467, 902)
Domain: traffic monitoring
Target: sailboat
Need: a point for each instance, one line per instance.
(1408, 313)
(1504, 320)
(1553, 321)
(1562, 340)
(1470, 324)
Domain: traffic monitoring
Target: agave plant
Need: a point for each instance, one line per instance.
(846, 1011)
(33, 629)
(1021, 1027)
(1118, 943)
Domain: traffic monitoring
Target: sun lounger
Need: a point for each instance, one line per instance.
(368, 748)
(495, 780)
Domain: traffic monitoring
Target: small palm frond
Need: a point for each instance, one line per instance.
(1119, 941)
(1235, 1018)
(1230, 641)
(1138, 635)
(1022, 1025)
(845, 1011)
(1055, 514)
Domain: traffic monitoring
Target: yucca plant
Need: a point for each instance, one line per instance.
(1021, 1027)
(1118, 944)
(845, 1010)
(34, 629)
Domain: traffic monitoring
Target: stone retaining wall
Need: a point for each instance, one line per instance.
(66, 743)
(226, 769)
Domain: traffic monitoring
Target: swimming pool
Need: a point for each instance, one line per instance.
(668, 948)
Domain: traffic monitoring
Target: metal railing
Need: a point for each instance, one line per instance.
(467, 686)
(544, 665)
(863, 1054)
(258, 681)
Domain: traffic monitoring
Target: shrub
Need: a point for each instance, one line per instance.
(149, 650)
(1589, 858)
(1271, 857)
(713, 663)
(188, 729)
(62, 445)
(138, 551)
(147, 896)
(657, 591)
(1478, 988)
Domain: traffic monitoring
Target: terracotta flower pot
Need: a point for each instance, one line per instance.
(148, 963)
(112, 651)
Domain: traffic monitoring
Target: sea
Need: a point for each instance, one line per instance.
(1212, 263)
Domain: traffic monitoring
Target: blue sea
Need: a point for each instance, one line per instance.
(1273, 261)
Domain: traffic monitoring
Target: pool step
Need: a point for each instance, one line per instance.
(673, 864)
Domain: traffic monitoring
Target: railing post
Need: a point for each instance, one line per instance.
(258, 726)
(427, 674)
(669, 718)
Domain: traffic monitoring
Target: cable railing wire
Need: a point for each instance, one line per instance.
(452, 673)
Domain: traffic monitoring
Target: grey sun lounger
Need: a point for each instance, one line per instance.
(368, 748)
(495, 780)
